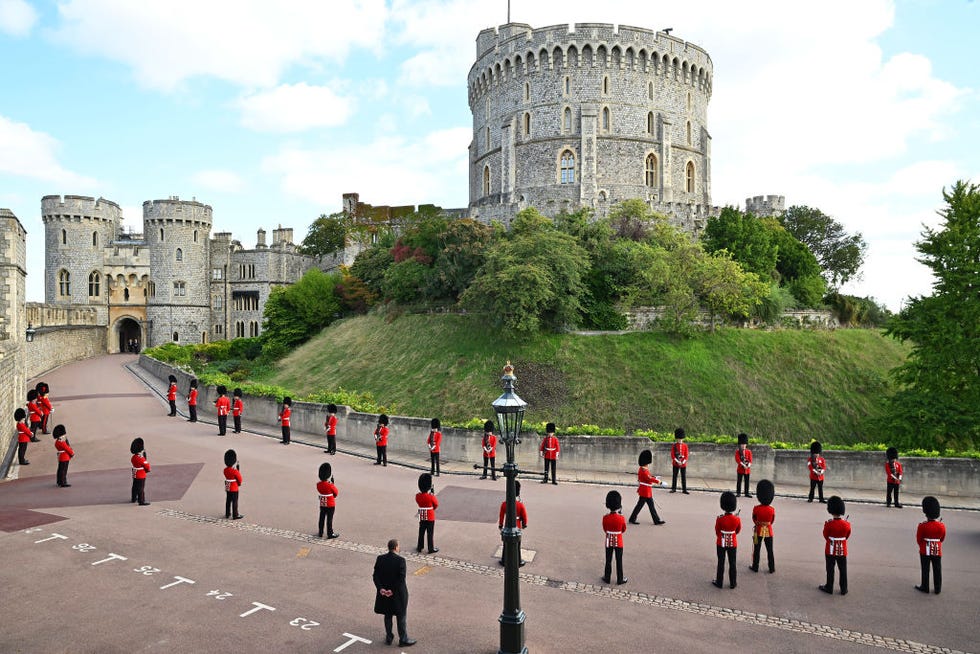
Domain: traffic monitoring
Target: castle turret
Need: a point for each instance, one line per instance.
(766, 205)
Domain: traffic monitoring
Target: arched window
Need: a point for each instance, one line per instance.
(568, 85)
(566, 122)
(527, 91)
(64, 237)
(651, 171)
(240, 329)
(94, 284)
(690, 177)
(650, 90)
(176, 337)
(195, 236)
(180, 254)
(605, 119)
(95, 239)
(161, 233)
(486, 180)
(688, 128)
(689, 102)
(567, 167)
(64, 283)
(605, 85)
(253, 328)
(126, 294)
(651, 127)
(527, 124)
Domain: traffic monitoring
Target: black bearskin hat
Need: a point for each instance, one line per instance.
(193, 383)
(728, 502)
(835, 505)
(550, 428)
(425, 482)
(679, 433)
(287, 401)
(743, 439)
(31, 395)
(325, 471)
(222, 390)
(435, 423)
(383, 419)
(331, 408)
(892, 453)
(765, 491)
(488, 427)
(41, 388)
(230, 458)
(20, 414)
(646, 457)
(136, 446)
(237, 392)
(930, 506)
(59, 430)
(816, 447)
(517, 488)
(172, 379)
(614, 501)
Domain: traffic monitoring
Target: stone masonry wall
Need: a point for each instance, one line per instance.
(58, 345)
(13, 325)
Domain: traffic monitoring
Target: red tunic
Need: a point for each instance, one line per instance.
(233, 478)
(192, 397)
(65, 452)
(727, 526)
(331, 425)
(678, 455)
(223, 405)
(762, 518)
(520, 513)
(550, 447)
(427, 506)
(33, 412)
(614, 524)
(140, 466)
(836, 532)
(490, 446)
(172, 392)
(381, 436)
(237, 407)
(45, 405)
(647, 481)
(817, 465)
(893, 476)
(434, 441)
(743, 460)
(328, 493)
(284, 416)
(23, 433)
(930, 536)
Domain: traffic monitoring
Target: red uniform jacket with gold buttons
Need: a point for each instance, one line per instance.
(381, 436)
(237, 407)
(930, 536)
(23, 433)
(427, 506)
(614, 524)
(233, 478)
(434, 441)
(743, 461)
(331, 425)
(762, 518)
(727, 527)
(65, 453)
(836, 532)
(140, 466)
(647, 481)
(223, 405)
(328, 493)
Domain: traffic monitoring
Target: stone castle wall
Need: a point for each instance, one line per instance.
(13, 325)
(766, 205)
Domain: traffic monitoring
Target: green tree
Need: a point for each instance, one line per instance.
(370, 265)
(405, 281)
(938, 400)
(462, 249)
(839, 254)
(724, 289)
(295, 313)
(747, 238)
(327, 234)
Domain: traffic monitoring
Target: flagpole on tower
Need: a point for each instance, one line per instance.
(508, 12)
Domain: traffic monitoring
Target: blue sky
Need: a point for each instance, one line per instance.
(269, 111)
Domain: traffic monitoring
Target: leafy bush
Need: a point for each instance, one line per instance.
(363, 402)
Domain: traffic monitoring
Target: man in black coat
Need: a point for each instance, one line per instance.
(392, 595)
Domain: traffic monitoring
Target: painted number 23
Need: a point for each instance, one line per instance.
(304, 624)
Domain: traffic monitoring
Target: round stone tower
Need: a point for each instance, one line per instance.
(588, 117)
(177, 235)
(77, 229)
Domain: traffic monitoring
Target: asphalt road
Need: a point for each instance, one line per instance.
(86, 571)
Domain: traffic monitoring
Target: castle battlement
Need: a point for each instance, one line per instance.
(174, 209)
(78, 207)
(766, 205)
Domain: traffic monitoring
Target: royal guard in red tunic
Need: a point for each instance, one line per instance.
(426, 499)
(520, 516)
(763, 515)
(836, 531)
(222, 406)
(23, 436)
(44, 403)
(192, 401)
(140, 467)
(727, 527)
(331, 426)
(489, 446)
(237, 409)
(284, 416)
(381, 440)
(233, 480)
(645, 489)
(434, 443)
(65, 453)
(327, 493)
(614, 526)
(678, 460)
(33, 414)
(743, 465)
(817, 465)
(172, 395)
(930, 536)
(893, 477)
(550, 450)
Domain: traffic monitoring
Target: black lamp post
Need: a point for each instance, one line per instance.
(509, 409)
(29, 335)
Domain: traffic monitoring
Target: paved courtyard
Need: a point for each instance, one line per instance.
(86, 571)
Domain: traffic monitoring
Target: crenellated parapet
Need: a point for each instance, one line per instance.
(76, 208)
(175, 210)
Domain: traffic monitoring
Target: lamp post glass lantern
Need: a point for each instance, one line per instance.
(509, 409)
(29, 335)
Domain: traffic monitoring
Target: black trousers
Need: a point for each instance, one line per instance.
(231, 503)
(720, 573)
(841, 563)
(138, 494)
(402, 627)
(22, 453)
(639, 505)
(192, 409)
(382, 454)
(937, 572)
(492, 461)
(892, 490)
(673, 483)
(553, 464)
(34, 427)
(62, 473)
(434, 461)
(757, 551)
(285, 434)
(173, 407)
(331, 444)
(222, 425)
(327, 513)
(238, 424)
(610, 551)
(426, 527)
(738, 485)
(816, 485)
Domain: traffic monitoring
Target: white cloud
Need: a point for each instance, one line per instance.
(27, 153)
(17, 17)
(294, 108)
(249, 42)
(224, 181)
